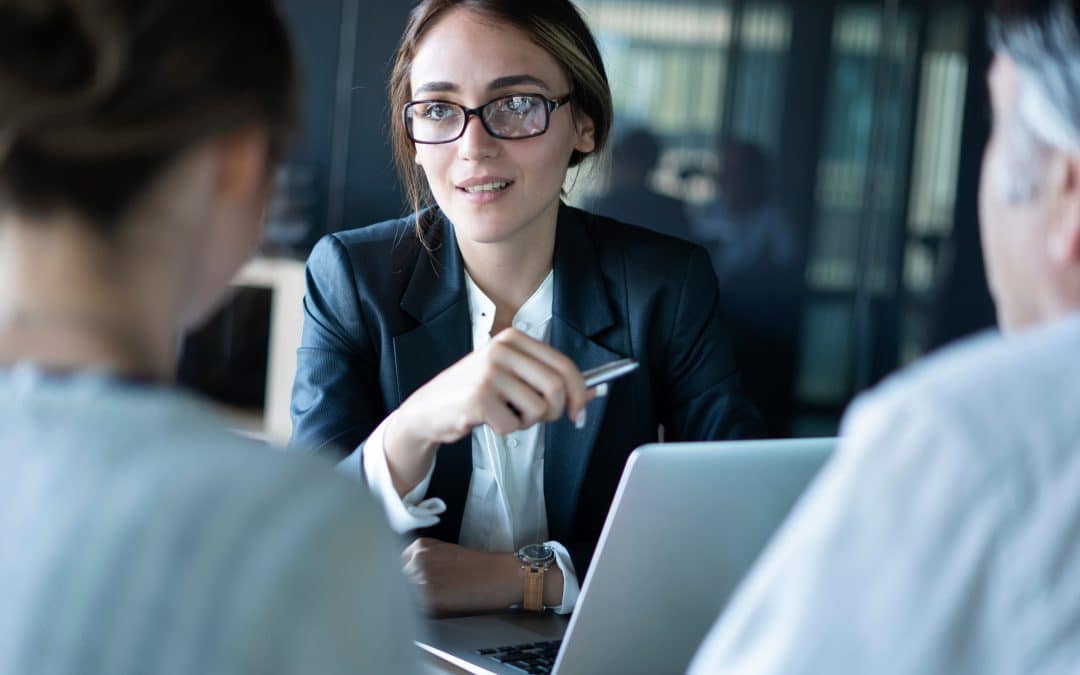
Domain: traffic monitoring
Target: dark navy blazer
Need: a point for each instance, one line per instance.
(383, 316)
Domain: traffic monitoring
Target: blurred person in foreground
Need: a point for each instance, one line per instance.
(944, 537)
(139, 536)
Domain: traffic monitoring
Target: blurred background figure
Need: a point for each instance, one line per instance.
(630, 197)
(743, 226)
(755, 252)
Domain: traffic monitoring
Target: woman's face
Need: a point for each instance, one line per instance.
(469, 59)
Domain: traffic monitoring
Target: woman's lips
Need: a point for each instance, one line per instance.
(485, 189)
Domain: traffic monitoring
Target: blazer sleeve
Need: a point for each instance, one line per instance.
(705, 401)
(336, 398)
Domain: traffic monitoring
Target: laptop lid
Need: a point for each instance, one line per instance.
(687, 522)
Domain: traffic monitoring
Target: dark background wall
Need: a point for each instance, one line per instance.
(345, 49)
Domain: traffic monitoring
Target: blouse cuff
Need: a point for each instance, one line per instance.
(571, 588)
(410, 512)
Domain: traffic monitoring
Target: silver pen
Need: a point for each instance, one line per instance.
(608, 371)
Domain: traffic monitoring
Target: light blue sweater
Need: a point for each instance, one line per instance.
(138, 536)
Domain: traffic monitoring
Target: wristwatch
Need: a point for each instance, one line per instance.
(536, 560)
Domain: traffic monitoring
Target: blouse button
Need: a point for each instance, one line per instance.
(512, 441)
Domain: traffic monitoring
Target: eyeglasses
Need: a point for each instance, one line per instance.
(509, 117)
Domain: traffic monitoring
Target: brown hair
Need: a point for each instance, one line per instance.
(98, 96)
(554, 25)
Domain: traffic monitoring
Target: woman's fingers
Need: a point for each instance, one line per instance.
(534, 375)
(548, 371)
(498, 415)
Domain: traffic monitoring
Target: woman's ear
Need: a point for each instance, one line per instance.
(242, 160)
(586, 133)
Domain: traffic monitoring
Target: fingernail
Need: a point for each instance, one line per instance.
(601, 390)
(579, 421)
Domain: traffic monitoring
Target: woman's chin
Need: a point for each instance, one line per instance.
(482, 229)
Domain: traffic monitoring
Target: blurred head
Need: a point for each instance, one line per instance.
(135, 120)
(470, 52)
(743, 181)
(633, 156)
(1030, 190)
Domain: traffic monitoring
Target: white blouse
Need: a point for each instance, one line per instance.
(505, 507)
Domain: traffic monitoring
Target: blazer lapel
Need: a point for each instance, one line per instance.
(435, 297)
(581, 310)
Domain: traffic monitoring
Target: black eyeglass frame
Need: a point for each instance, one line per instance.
(551, 106)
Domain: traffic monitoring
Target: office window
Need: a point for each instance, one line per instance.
(761, 61)
(859, 196)
(934, 173)
(691, 72)
(854, 187)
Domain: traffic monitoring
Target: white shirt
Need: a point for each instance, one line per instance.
(944, 537)
(505, 507)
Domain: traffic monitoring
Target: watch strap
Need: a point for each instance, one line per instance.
(534, 588)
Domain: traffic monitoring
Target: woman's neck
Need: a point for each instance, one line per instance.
(67, 303)
(509, 272)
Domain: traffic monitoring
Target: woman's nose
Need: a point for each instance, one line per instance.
(476, 142)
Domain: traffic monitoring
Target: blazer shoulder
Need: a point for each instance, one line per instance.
(388, 246)
(378, 238)
(372, 264)
(636, 240)
(648, 259)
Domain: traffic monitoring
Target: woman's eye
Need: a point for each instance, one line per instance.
(436, 111)
(518, 104)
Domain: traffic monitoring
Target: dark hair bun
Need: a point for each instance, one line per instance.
(57, 60)
(96, 96)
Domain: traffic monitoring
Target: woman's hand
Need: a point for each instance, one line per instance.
(455, 579)
(512, 383)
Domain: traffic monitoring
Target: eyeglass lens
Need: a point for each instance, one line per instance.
(519, 116)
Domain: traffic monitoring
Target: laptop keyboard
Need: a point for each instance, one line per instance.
(533, 657)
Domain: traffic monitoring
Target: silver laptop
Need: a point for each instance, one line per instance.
(687, 522)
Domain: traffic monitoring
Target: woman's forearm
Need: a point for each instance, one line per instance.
(408, 454)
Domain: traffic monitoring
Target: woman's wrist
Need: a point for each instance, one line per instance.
(512, 585)
(408, 455)
(512, 580)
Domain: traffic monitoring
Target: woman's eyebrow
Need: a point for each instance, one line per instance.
(515, 80)
(494, 85)
(429, 87)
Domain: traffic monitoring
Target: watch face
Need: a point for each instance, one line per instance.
(537, 552)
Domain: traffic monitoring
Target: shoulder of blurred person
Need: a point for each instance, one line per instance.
(607, 231)
(646, 208)
(940, 527)
(152, 540)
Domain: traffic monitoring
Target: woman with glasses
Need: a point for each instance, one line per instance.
(443, 353)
